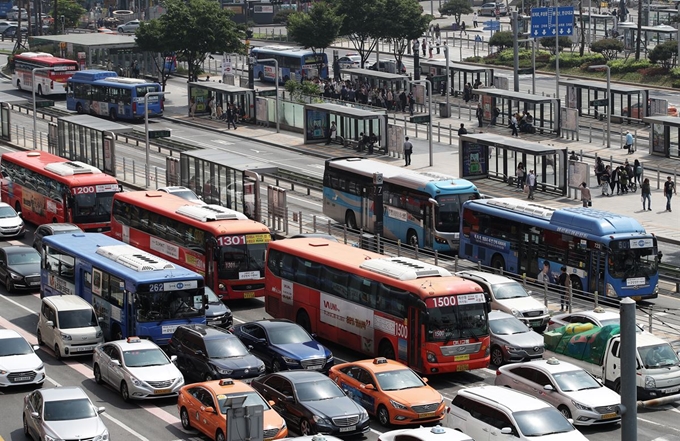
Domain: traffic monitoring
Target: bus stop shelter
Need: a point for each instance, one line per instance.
(590, 98)
(6, 103)
(490, 156)
(544, 109)
(377, 79)
(350, 122)
(664, 136)
(225, 95)
(651, 36)
(460, 74)
(87, 139)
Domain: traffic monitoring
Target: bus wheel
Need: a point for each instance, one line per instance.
(576, 284)
(79, 108)
(350, 220)
(497, 262)
(386, 350)
(54, 220)
(40, 90)
(412, 238)
(113, 116)
(302, 319)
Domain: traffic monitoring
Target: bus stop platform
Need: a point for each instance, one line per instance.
(664, 139)
(224, 95)
(351, 123)
(589, 96)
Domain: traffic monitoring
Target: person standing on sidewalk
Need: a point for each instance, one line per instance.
(474, 19)
(520, 176)
(586, 198)
(629, 142)
(408, 150)
(513, 126)
(668, 191)
(479, 113)
(531, 183)
(331, 133)
(646, 191)
(565, 282)
(637, 170)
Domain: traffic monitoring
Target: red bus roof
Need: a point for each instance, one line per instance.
(429, 280)
(181, 210)
(44, 58)
(71, 173)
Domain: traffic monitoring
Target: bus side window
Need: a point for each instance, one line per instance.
(274, 262)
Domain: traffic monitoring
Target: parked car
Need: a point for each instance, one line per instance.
(11, 223)
(137, 368)
(183, 193)
(350, 61)
(436, 433)
(635, 111)
(573, 391)
(13, 14)
(203, 406)
(20, 268)
(19, 364)
(129, 27)
(390, 391)
(509, 296)
(5, 24)
(490, 9)
(598, 317)
(389, 66)
(512, 340)
(312, 403)
(11, 31)
(283, 345)
(105, 31)
(62, 413)
(50, 230)
(206, 353)
(216, 312)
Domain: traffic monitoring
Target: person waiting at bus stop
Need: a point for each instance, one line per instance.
(565, 282)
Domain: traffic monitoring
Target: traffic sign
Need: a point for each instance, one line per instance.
(159, 133)
(44, 103)
(420, 119)
(600, 103)
(543, 22)
(492, 25)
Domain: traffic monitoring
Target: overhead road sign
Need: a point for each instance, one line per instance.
(543, 22)
(599, 103)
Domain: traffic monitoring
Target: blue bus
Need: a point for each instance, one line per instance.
(292, 63)
(604, 252)
(104, 93)
(5, 7)
(421, 209)
(136, 293)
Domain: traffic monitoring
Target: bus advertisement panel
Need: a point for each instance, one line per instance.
(47, 188)
(135, 293)
(421, 209)
(398, 308)
(293, 62)
(46, 83)
(604, 252)
(223, 245)
(103, 93)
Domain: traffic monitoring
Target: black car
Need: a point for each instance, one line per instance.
(20, 268)
(216, 312)
(206, 353)
(50, 230)
(312, 403)
(283, 345)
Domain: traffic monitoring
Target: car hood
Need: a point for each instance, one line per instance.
(156, 373)
(246, 362)
(524, 340)
(18, 363)
(333, 408)
(415, 396)
(216, 309)
(573, 435)
(76, 429)
(10, 221)
(595, 398)
(302, 350)
(521, 304)
(26, 269)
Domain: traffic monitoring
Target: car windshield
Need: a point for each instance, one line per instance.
(6, 212)
(211, 297)
(658, 356)
(164, 305)
(14, 346)
(77, 319)
(252, 399)
(324, 389)
(446, 323)
(66, 410)
(225, 348)
(242, 260)
(507, 326)
(27, 258)
(541, 422)
(398, 380)
(574, 381)
(510, 290)
(284, 335)
(145, 358)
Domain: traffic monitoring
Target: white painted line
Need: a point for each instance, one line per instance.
(124, 427)
(658, 424)
(18, 304)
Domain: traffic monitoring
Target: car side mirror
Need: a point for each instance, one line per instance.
(289, 399)
(116, 362)
(262, 341)
(101, 410)
(35, 347)
(35, 415)
(209, 409)
(506, 431)
(548, 387)
(19, 213)
(173, 358)
(100, 319)
(200, 353)
(49, 323)
(207, 307)
(271, 402)
(369, 387)
(250, 348)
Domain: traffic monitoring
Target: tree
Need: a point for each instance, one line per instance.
(638, 39)
(364, 23)
(282, 16)
(608, 47)
(149, 36)
(582, 45)
(549, 43)
(663, 54)
(72, 13)
(502, 39)
(191, 29)
(456, 8)
(408, 23)
(315, 30)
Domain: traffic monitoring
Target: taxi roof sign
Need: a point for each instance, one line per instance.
(380, 360)
(226, 382)
(134, 340)
(553, 361)
(438, 430)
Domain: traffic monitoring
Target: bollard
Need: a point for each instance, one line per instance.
(314, 222)
(450, 135)
(569, 298)
(405, 128)
(399, 248)
(329, 227)
(658, 179)
(596, 298)
(415, 254)
(124, 169)
(436, 257)
(459, 106)
(155, 171)
(524, 280)
(439, 132)
(134, 173)
(545, 293)
(651, 315)
(479, 265)
(469, 113)
(344, 230)
(416, 130)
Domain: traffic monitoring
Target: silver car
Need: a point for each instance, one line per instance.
(512, 341)
(598, 317)
(129, 27)
(62, 413)
(490, 9)
(137, 368)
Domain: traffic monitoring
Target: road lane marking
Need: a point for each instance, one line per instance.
(658, 424)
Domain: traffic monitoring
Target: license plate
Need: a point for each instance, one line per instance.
(83, 349)
(22, 379)
(248, 295)
(313, 368)
(426, 415)
(536, 323)
(672, 390)
(462, 368)
(609, 416)
(463, 357)
(34, 283)
(161, 391)
(348, 429)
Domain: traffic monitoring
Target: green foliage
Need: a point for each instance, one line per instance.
(663, 54)
(675, 73)
(282, 16)
(569, 60)
(502, 39)
(317, 29)
(608, 47)
(549, 44)
(507, 55)
(676, 84)
(456, 8)
(408, 24)
(72, 13)
(298, 91)
(626, 66)
(364, 23)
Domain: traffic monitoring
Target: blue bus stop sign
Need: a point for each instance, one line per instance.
(543, 22)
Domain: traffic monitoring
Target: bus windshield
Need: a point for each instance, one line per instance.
(235, 260)
(94, 207)
(156, 306)
(447, 211)
(626, 262)
(446, 323)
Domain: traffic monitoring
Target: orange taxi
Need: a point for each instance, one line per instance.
(203, 406)
(390, 391)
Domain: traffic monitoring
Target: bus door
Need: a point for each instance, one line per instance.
(528, 253)
(415, 359)
(130, 322)
(428, 225)
(596, 272)
(212, 258)
(367, 202)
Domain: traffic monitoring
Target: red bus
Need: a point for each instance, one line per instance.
(398, 308)
(46, 188)
(223, 245)
(46, 83)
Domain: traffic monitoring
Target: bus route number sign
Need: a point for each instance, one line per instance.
(243, 239)
(92, 189)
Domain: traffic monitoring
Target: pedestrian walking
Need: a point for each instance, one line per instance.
(462, 130)
(474, 19)
(424, 46)
(599, 169)
(623, 180)
(604, 179)
(231, 116)
(585, 195)
(629, 142)
(669, 191)
(430, 48)
(565, 282)
(462, 29)
(513, 126)
(646, 191)
(637, 170)
(192, 107)
(479, 113)
(209, 106)
(519, 176)
(614, 181)
(531, 183)
(411, 103)
(331, 133)
(408, 150)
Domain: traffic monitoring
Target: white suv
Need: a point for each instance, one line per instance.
(486, 411)
(69, 325)
(509, 296)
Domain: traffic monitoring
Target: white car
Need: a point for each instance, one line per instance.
(5, 24)
(138, 368)
(13, 14)
(598, 317)
(11, 224)
(572, 390)
(350, 61)
(62, 413)
(19, 364)
(490, 9)
(436, 433)
(509, 296)
(184, 193)
(129, 27)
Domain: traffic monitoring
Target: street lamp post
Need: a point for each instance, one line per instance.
(609, 99)
(428, 90)
(146, 129)
(276, 75)
(35, 124)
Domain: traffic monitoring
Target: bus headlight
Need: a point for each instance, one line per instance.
(611, 292)
(221, 287)
(431, 357)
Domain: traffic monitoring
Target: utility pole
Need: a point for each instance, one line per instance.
(515, 46)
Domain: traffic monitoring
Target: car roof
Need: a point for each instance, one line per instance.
(552, 365)
(15, 249)
(493, 279)
(9, 333)
(384, 366)
(225, 389)
(504, 396)
(63, 393)
(208, 332)
(273, 323)
(141, 344)
(172, 188)
(302, 376)
(431, 433)
(597, 313)
(498, 315)
(68, 302)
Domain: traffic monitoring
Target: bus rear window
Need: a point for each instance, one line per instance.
(143, 90)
